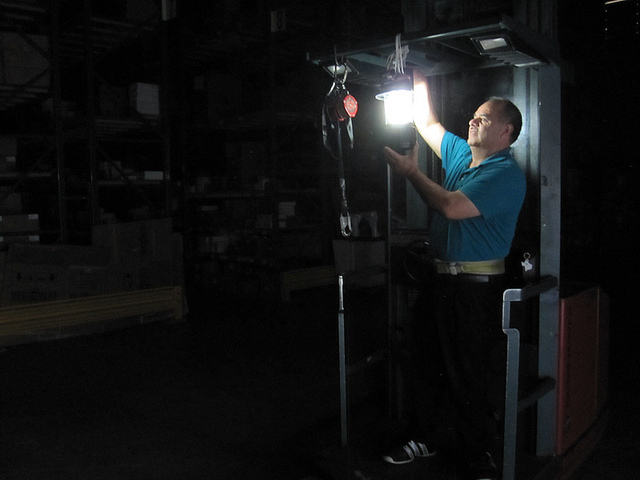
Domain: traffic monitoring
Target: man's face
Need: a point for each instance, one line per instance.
(486, 127)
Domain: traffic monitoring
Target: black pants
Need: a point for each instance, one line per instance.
(457, 331)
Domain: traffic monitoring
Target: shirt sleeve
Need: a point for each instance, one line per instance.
(454, 150)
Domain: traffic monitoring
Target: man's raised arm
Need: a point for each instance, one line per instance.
(424, 116)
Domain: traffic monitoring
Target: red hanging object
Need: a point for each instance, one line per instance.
(350, 105)
(340, 104)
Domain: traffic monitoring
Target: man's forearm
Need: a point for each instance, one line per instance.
(452, 205)
(430, 192)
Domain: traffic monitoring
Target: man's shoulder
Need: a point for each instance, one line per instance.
(503, 160)
(450, 137)
(454, 147)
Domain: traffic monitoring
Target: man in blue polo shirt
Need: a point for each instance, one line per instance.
(458, 315)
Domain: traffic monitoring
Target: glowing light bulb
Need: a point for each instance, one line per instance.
(398, 106)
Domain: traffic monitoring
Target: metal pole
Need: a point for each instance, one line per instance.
(342, 362)
(54, 60)
(91, 112)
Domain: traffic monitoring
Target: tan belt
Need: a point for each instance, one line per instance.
(484, 267)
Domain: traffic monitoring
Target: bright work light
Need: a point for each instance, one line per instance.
(397, 95)
(398, 100)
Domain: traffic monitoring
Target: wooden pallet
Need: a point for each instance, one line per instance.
(63, 318)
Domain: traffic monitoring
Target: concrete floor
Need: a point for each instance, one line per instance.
(249, 391)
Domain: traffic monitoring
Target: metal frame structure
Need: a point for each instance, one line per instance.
(537, 87)
(444, 52)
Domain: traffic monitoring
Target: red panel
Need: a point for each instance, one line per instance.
(582, 364)
(603, 350)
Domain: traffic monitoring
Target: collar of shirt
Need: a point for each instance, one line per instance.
(496, 157)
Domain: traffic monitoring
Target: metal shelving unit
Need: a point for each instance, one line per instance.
(252, 67)
(62, 139)
(80, 41)
(30, 75)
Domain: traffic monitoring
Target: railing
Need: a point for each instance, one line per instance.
(514, 402)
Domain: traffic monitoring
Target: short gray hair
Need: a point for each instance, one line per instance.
(511, 115)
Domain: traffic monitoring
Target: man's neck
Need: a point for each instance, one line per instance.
(479, 154)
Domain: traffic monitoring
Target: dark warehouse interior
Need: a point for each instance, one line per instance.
(227, 370)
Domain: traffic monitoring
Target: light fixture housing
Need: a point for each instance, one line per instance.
(504, 48)
(397, 95)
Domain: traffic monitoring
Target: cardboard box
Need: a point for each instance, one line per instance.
(12, 203)
(86, 280)
(209, 243)
(39, 273)
(123, 278)
(30, 283)
(157, 274)
(8, 153)
(6, 240)
(142, 253)
(58, 255)
(145, 98)
(68, 110)
(136, 243)
(28, 223)
(286, 209)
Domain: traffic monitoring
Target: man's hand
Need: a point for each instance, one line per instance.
(452, 205)
(405, 165)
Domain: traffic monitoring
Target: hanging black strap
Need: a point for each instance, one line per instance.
(333, 141)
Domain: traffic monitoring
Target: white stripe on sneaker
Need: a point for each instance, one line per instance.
(421, 449)
(415, 449)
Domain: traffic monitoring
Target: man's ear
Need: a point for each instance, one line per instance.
(508, 130)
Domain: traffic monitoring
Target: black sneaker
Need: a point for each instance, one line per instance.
(483, 468)
(408, 452)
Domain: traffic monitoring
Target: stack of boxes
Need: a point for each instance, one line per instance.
(123, 257)
(8, 153)
(142, 252)
(15, 225)
(41, 273)
(23, 228)
(145, 98)
(286, 214)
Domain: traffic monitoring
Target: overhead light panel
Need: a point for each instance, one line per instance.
(501, 47)
(489, 44)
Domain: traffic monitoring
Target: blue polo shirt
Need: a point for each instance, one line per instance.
(496, 187)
